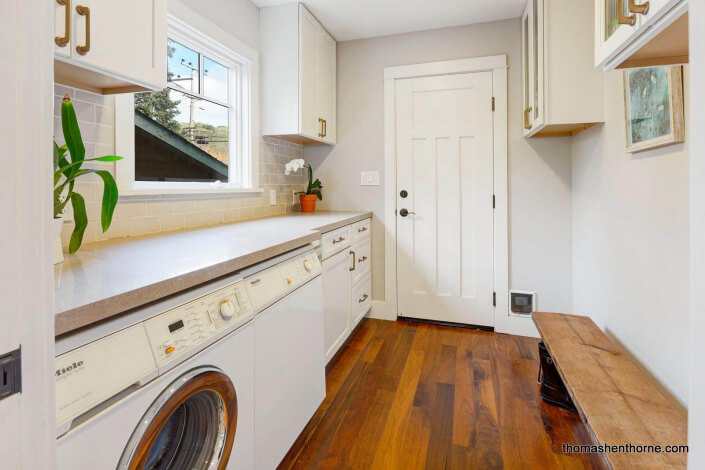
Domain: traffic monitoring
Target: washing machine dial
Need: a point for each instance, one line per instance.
(228, 309)
(308, 266)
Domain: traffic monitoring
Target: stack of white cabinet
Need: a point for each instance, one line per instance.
(298, 59)
(639, 33)
(108, 46)
(563, 92)
(347, 281)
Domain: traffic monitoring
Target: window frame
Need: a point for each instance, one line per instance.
(243, 158)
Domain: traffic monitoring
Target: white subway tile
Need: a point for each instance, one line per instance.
(172, 222)
(130, 210)
(159, 208)
(145, 225)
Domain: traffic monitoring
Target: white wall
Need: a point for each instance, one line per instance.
(239, 17)
(630, 242)
(539, 170)
(696, 404)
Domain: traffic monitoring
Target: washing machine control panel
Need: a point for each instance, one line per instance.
(190, 326)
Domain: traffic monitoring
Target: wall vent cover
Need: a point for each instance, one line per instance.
(522, 302)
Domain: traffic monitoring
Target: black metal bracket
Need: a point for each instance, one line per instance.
(10, 373)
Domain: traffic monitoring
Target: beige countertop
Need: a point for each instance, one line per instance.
(107, 278)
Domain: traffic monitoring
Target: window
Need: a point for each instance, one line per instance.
(198, 134)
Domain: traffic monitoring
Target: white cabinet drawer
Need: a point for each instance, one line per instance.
(360, 230)
(360, 260)
(361, 300)
(334, 241)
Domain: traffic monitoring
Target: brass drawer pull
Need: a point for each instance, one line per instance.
(353, 266)
(621, 19)
(340, 239)
(325, 128)
(360, 260)
(364, 297)
(363, 229)
(85, 11)
(641, 9)
(62, 41)
(527, 124)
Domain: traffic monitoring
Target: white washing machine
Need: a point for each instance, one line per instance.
(172, 385)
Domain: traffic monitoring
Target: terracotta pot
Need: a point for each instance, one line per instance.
(308, 202)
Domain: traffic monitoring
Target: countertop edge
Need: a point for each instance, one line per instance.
(76, 318)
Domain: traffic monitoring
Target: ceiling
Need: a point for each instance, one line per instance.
(356, 19)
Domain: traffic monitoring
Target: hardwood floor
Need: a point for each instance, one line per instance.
(404, 395)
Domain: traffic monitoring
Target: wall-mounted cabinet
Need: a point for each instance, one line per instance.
(298, 59)
(110, 47)
(562, 91)
(640, 33)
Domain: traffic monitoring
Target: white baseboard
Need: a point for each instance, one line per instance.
(381, 311)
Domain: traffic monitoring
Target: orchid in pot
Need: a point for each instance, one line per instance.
(313, 190)
(66, 171)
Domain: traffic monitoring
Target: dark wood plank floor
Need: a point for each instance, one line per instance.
(404, 395)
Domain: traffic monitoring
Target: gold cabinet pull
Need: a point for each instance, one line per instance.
(340, 239)
(527, 124)
(325, 128)
(363, 229)
(621, 19)
(360, 260)
(641, 9)
(320, 124)
(364, 297)
(353, 266)
(61, 41)
(85, 11)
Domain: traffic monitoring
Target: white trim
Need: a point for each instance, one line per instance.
(388, 308)
(475, 64)
(244, 152)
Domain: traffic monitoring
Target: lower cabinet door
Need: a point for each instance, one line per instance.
(361, 300)
(336, 301)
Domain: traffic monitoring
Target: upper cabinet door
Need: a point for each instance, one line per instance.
(614, 26)
(537, 62)
(326, 85)
(526, 67)
(113, 46)
(309, 32)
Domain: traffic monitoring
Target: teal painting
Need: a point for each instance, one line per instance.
(650, 109)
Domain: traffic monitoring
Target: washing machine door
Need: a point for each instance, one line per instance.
(191, 425)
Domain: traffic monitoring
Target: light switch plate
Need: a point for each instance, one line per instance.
(369, 178)
(272, 197)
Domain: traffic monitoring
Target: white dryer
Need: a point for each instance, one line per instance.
(169, 386)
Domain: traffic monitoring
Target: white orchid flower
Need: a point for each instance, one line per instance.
(294, 166)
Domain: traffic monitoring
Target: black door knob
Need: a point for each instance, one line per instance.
(403, 193)
(404, 212)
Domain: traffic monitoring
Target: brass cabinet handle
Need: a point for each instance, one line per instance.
(621, 19)
(363, 229)
(320, 124)
(641, 9)
(59, 40)
(353, 266)
(325, 128)
(85, 11)
(527, 124)
(360, 260)
(364, 297)
(340, 239)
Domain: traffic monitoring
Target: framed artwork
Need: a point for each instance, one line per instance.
(653, 105)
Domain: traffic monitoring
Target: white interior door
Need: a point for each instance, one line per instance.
(444, 131)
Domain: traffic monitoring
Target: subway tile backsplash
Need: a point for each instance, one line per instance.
(96, 116)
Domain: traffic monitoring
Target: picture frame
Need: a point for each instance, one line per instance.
(653, 107)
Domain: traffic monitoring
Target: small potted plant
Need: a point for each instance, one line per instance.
(66, 172)
(313, 190)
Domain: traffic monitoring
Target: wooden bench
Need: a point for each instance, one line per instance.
(615, 401)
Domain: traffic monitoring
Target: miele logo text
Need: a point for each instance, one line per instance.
(69, 368)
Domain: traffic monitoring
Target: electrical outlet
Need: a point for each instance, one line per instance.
(294, 197)
(272, 197)
(369, 178)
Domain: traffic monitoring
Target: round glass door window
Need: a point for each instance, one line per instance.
(191, 425)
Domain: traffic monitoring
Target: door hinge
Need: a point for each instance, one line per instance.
(494, 299)
(494, 201)
(10, 374)
(493, 103)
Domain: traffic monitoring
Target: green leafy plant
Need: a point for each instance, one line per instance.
(314, 186)
(68, 170)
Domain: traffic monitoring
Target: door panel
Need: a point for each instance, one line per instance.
(326, 84)
(336, 301)
(308, 79)
(445, 162)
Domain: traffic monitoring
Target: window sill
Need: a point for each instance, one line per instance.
(146, 193)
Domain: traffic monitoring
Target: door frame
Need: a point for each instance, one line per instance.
(497, 64)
